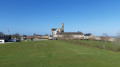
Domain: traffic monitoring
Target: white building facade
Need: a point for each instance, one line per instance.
(2, 41)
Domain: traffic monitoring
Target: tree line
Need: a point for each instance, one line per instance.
(14, 36)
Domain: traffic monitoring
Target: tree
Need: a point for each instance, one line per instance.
(104, 40)
(34, 34)
(16, 36)
(118, 37)
(1, 34)
(117, 42)
(46, 34)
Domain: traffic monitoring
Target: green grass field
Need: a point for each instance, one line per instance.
(113, 46)
(55, 54)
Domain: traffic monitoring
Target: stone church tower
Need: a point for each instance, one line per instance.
(62, 29)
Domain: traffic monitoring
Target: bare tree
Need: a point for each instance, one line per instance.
(117, 42)
(118, 37)
(104, 40)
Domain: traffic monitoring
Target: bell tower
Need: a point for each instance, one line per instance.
(62, 29)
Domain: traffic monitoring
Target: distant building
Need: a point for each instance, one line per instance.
(40, 37)
(97, 38)
(112, 39)
(34, 37)
(2, 41)
(55, 31)
(88, 36)
(102, 38)
(71, 35)
(59, 33)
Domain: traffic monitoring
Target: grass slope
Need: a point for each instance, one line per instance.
(55, 54)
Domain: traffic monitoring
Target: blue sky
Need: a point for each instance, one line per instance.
(39, 16)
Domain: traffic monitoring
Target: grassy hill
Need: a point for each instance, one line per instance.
(55, 54)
